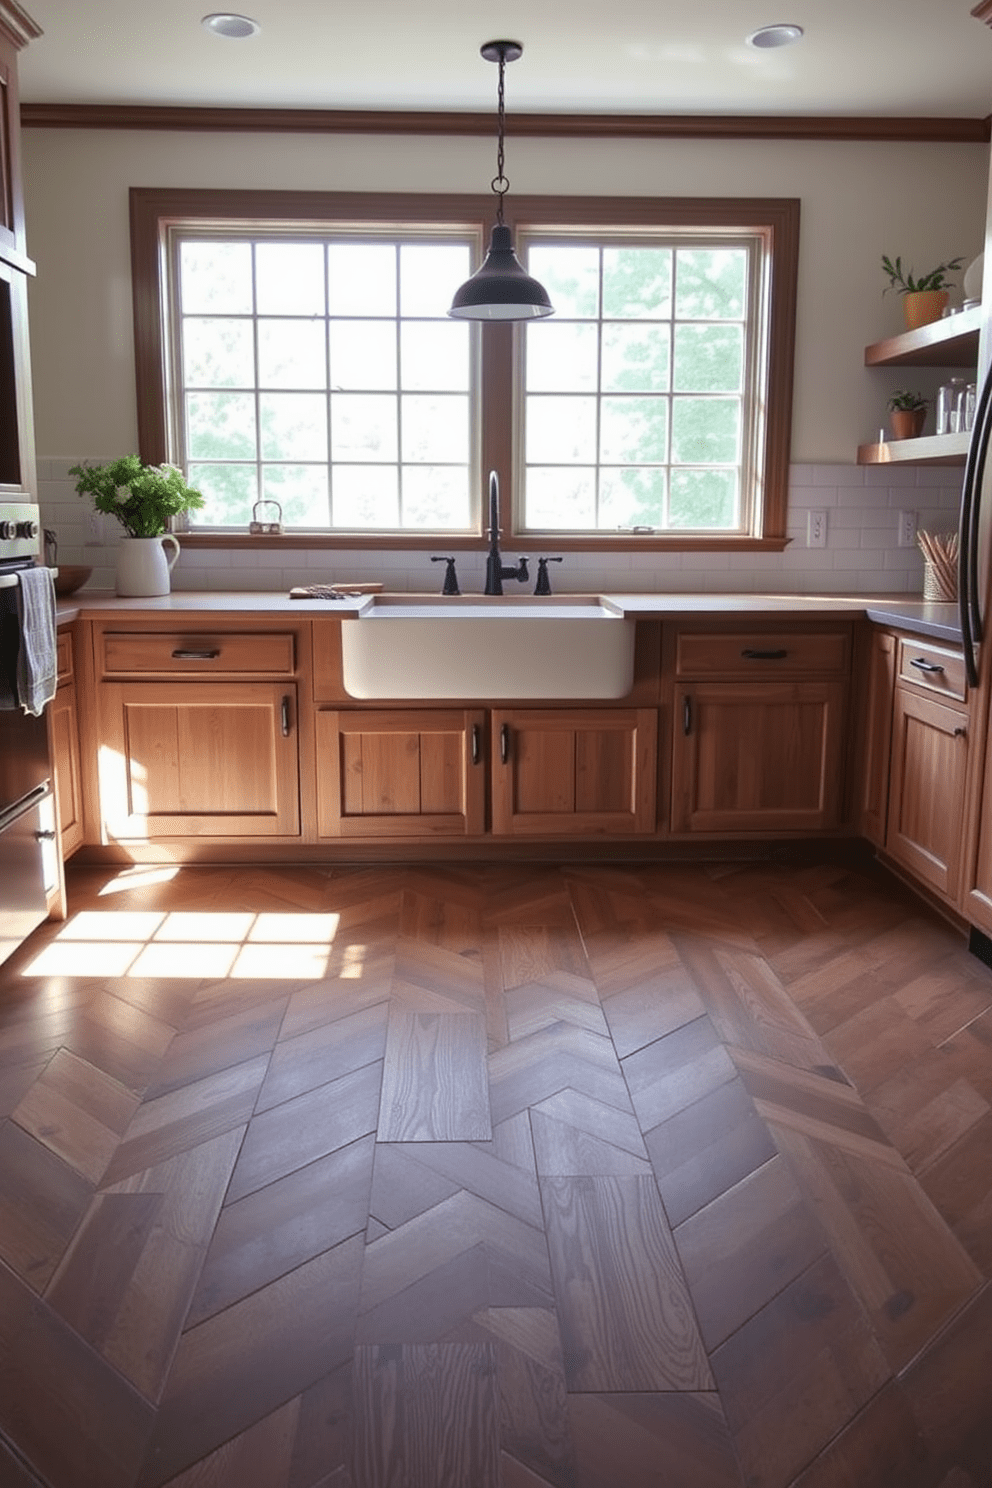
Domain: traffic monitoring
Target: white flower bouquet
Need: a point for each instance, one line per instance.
(141, 497)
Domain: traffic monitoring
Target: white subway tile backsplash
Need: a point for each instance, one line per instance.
(861, 555)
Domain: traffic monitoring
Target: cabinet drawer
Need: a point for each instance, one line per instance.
(937, 668)
(761, 653)
(63, 656)
(132, 653)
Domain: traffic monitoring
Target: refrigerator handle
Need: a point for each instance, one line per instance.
(969, 596)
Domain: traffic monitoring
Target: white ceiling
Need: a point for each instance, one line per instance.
(877, 57)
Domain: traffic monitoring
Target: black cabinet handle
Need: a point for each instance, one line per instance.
(285, 717)
(476, 755)
(687, 715)
(960, 733)
(196, 655)
(925, 666)
(749, 654)
(504, 743)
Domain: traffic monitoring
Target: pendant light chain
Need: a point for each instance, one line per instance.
(499, 182)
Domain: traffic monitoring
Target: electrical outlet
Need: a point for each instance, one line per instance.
(816, 529)
(907, 529)
(94, 529)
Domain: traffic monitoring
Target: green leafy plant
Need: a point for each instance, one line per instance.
(141, 497)
(907, 283)
(903, 400)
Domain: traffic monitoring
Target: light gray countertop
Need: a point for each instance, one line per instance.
(917, 616)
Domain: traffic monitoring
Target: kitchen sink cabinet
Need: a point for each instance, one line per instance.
(758, 740)
(573, 772)
(400, 772)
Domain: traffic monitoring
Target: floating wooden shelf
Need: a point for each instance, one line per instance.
(929, 449)
(952, 342)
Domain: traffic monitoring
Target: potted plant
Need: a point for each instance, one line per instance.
(925, 295)
(143, 498)
(907, 413)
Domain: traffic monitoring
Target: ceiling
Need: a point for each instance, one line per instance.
(874, 57)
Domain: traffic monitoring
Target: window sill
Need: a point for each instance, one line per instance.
(510, 542)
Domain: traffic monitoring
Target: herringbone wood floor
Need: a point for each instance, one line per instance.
(463, 1177)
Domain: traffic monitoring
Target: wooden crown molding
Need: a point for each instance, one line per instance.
(580, 126)
(17, 25)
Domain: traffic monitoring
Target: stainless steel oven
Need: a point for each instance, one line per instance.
(28, 866)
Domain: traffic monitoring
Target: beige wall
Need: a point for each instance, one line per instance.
(926, 202)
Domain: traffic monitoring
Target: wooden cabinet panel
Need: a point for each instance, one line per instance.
(214, 760)
(570, 772)
(926, 796)
(761, 653)
(202, 653)
(396, 772)
(875, 721)
(757, 757)
(63, 736)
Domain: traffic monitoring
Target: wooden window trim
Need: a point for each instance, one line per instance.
(153, 210)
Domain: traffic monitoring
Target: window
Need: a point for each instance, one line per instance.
(296, 347)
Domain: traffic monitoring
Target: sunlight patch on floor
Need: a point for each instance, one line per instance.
(188, 944)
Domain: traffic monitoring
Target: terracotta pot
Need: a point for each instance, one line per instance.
(923, 307)
(907, 423)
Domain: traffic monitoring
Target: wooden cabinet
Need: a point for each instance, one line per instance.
(401, 772)
(927, 784)
(754, 755)
(63, 741)
(874, 742)
(950, 343)
(18, 474)
(567, 772)
(194, 740)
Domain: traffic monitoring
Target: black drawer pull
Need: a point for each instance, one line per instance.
(285, 717)
(504, 743)
(751, 655)
(196, 655)
(476, 755)
(960, 733)
(687, 716)
(925, 666)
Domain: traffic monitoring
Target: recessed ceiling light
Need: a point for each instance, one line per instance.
(237, 27)
(775, 36)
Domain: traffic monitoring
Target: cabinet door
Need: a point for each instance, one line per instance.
(926, 795)
(400, 773)
(63, 734)
(875, 737)
(207, 759)
(568, 772)
(757, 757)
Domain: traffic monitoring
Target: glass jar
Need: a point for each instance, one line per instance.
(949, 412)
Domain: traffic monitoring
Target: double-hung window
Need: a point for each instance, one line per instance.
(295, 348)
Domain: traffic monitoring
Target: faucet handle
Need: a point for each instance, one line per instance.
(543, 585)
(450, 585)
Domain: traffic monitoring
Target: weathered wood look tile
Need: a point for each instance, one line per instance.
(251, 1358)
(427, 1416)
(626, 1318)
(275, 1229)
(788, 1061)
(41, 1203)
(69, 1414)
(434, 1082)
(652, 1439)
(78, 1112)
(302, 1130)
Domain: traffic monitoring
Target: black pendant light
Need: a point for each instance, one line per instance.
(501, 289)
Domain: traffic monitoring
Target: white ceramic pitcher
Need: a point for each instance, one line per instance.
(142, 565)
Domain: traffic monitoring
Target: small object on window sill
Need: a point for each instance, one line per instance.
(637, 529)
(259, 528)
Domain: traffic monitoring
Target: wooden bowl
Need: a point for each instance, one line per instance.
(71, 576)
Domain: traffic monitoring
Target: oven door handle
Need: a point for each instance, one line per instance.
(9, 814)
